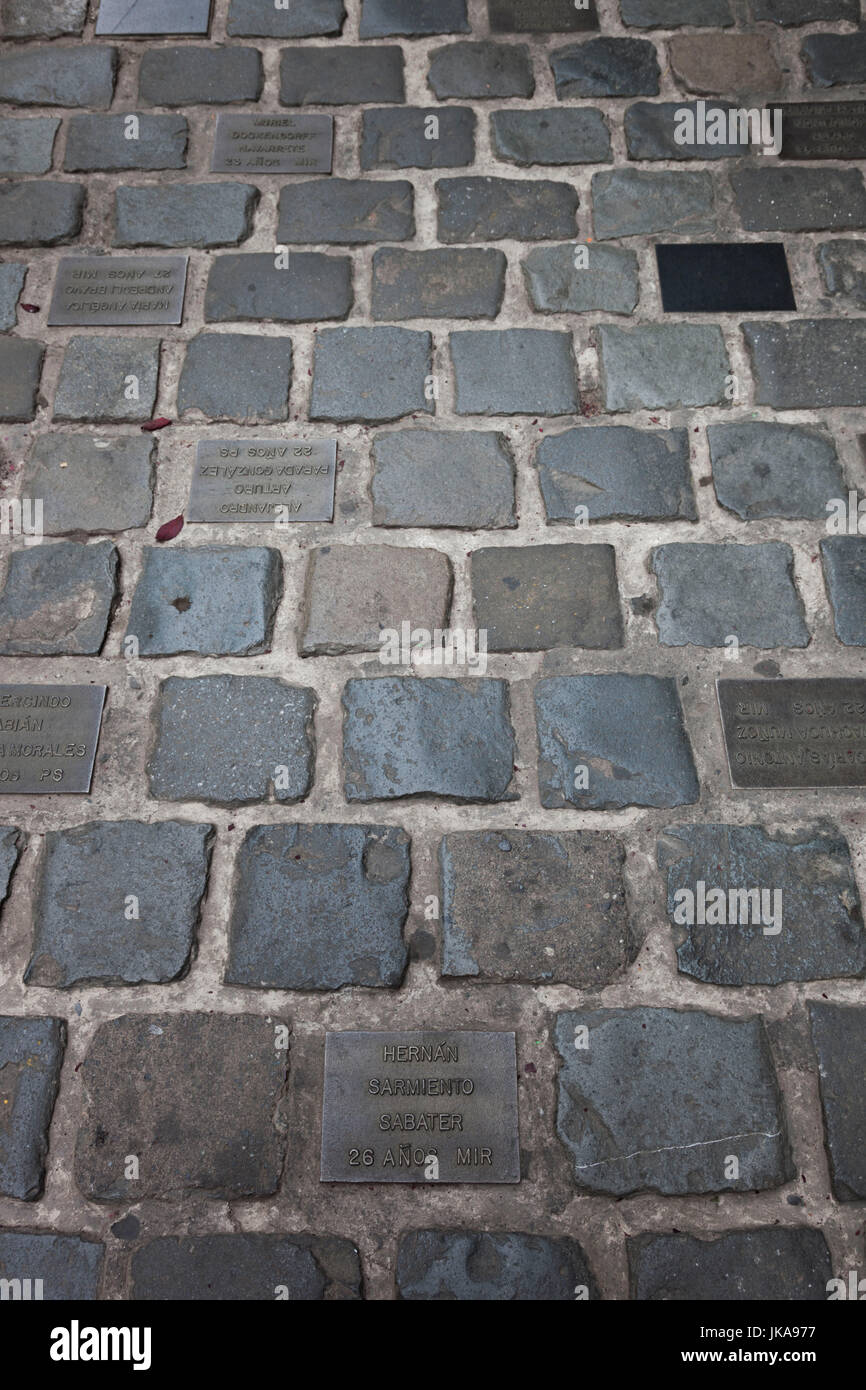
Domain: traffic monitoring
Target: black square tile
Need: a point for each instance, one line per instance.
(724, 277)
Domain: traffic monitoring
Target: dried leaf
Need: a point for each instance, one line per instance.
(170, 529)
(158, 424)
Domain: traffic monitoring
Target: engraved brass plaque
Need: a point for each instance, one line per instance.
(795, 733)
(276, 480)
(420, 1107)
(273, 144)
(48, 737)
(118, 290)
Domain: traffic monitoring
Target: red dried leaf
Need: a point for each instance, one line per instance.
(32, 308)
(158, 424)
(170, 529)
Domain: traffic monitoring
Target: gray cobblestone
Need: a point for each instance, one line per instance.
(534, 598)
(100, 143)
(31, 1051)
(216, 600)
(98, 489)
(808, 362)
(541, 908)
(762, 470)
(710, 592)
(47, 75)
(249, 287)
(20, 370)
(246, 1267)
(67, 1267)
(616, 473)
(799, 200)
(689, 1088)
(518, 371)
(348, 212)
(197, 755)
(397, 138)
(843, 266)
(839, 1036)
(302, 19)
(236, 376)
(26, 143)
(407, 736)
(373, 374)
(663, 366)
(58, 599)
(481, 70)
(844, 559)
(480, 1266)
(215, 214)
(119, 903)
(550, 136)
(443, 478)
(608, 281)
(636, 202)
(96, 379)
(382, 19)
(341, 76)
(612, 741)
(355, 593)
(484, 209)
(40, 213)
(12, 277)
(774, 1263)
(189, 75)
(466, 283)
(320, 907)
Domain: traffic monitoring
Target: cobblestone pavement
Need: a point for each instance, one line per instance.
(284, 830)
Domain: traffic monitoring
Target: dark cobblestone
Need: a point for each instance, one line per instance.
(518, 371)
(12, 277)
(214, 600)
(638, 202)
(100, 143)
(812, 930)
(94, 379)
(20, 370)
(303, 19)
(606, 68)
(844, 560)
(710, 592)
(480, 1266)
(49, 75)
(612, 741)
(799, 200)
(191, 76)
(348, 212)
(608, 281)
(466, 284)
(616, 473)
(763, 470)
(550, 909)
(398, 138)
(808, 363)
(382, 19)
(195, 214)
(67, 1267)
(839, 1036)
(835, 60)
(341, 76)
(31, 1052)
(238, 1268)
(551, 136)
(119, 903)
(484, 209)
(236, 376)
(373, 374)
(408, 736)
(764, 1264)
(57, 599)
(197, 755)
(671, 1094)
(843, 266)
(248, 287)
(662, 366)
(197, 1099)
(40, 214)
(319, 907)
(26, 143)
(534, 598)
(481, 70)
(443, 478)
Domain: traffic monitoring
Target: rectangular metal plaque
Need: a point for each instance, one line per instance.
(275, 480)
(795, 733)
(824, 130)
(420, 1107)
(724, 278)
(48, 737)
(153, 17)
(118, 290)
(273, 144)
